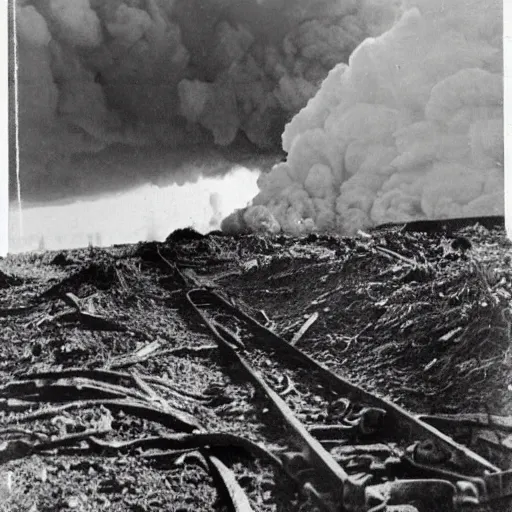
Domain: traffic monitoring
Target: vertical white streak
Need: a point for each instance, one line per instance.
(507, 71)
(4, 128)
(16, 121)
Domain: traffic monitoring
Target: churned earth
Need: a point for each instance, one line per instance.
(423, 320)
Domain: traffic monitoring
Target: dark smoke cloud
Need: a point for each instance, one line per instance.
(109, 88)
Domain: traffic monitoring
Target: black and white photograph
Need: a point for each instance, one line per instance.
(257, 257)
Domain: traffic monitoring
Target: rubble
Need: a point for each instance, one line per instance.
(421, 318)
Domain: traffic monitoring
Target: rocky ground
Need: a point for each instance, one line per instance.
(424, 320)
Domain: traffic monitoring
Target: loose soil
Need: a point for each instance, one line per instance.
(423, 320)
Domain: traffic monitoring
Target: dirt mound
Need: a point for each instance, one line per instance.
(184, 234)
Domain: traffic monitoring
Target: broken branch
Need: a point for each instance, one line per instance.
(238, 498)
(300, 333)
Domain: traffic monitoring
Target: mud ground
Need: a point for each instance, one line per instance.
(421, 319)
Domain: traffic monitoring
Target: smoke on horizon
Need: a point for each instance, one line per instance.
(104, 82)
(410, 128)
(388, 110)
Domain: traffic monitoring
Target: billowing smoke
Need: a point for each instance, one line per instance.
(118, 78)
(411, 127)
(216, 204)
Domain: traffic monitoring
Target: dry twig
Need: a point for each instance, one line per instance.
(300, 333)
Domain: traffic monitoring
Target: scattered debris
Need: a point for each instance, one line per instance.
(394, 254)
(7, 281)
(152, 395)
(22, 310)
(138, 356)
(18, 448)
(238, 498)
(433, 314)
(290, 386)
(321, 298)
(462, 244)
(203, 350)
(99, 274)
(265, 317)
(300, 333)
(443, 421)
(194, 440)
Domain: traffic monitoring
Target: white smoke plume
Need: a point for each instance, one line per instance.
(99, 76)
(216, 204)
(411, 127)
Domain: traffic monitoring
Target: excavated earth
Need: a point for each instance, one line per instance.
(423, 320)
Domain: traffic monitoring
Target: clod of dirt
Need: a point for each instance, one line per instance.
(461, 243)
(185, 234)
(62, 260)
(100, 275)
(6, 281)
